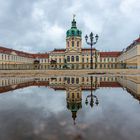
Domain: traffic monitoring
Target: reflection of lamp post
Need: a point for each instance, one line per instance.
(91, 96)
(91, 43)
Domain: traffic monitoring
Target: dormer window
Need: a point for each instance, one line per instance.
(78, 32)
(72, 33)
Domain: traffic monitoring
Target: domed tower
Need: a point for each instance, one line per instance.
(74, 96)
(73, 38)
(74, 101)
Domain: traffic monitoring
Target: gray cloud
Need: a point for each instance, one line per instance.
(40, 25)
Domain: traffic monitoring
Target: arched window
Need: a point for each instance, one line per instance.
(72, 80)
(68, 80)
(77, 58)
(77, 80)
(68, 58)
(72, 43)
(72, 59)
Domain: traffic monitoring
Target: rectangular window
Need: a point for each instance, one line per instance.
(72, 43)
(100, 65)
(68, 58)
(77, 58)
(68, 43)
(77, 43)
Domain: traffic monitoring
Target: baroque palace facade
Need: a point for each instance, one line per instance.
(73, 56)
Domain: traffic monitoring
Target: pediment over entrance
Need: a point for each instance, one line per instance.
(13, 53)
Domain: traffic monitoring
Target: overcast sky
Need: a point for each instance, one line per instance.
(41, 25)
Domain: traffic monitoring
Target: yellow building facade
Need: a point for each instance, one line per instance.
(130, 57)
(74, 56)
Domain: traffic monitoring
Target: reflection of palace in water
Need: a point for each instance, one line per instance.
(74, 87)
(131, 84)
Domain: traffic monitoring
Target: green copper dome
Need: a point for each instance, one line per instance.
(73, 106)
(74, 31)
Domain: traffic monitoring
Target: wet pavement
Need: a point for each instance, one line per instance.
(72, 108)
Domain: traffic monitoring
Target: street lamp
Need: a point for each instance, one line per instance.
(91, 96)
(91, 43)
(96, 55)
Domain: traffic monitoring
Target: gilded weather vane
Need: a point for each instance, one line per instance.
(74, 16)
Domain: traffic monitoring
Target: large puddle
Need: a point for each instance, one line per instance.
(70, 108)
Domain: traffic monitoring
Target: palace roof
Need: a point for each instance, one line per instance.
(88, 87)
(59, 50)
(23, 54)
(46, 55)
(133, 44)
(23, 85)
(110, 54)
(138, 40)
(87, 49)
(41, 55)
(15, 52)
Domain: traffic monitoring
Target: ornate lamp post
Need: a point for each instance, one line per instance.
(96, 56)
(91, 96)
(91, 43)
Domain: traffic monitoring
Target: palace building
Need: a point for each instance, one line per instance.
(72, 56)
(12, 59)
(130, 57)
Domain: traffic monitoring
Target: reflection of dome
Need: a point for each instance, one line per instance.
(74, 107)
(74, 31)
